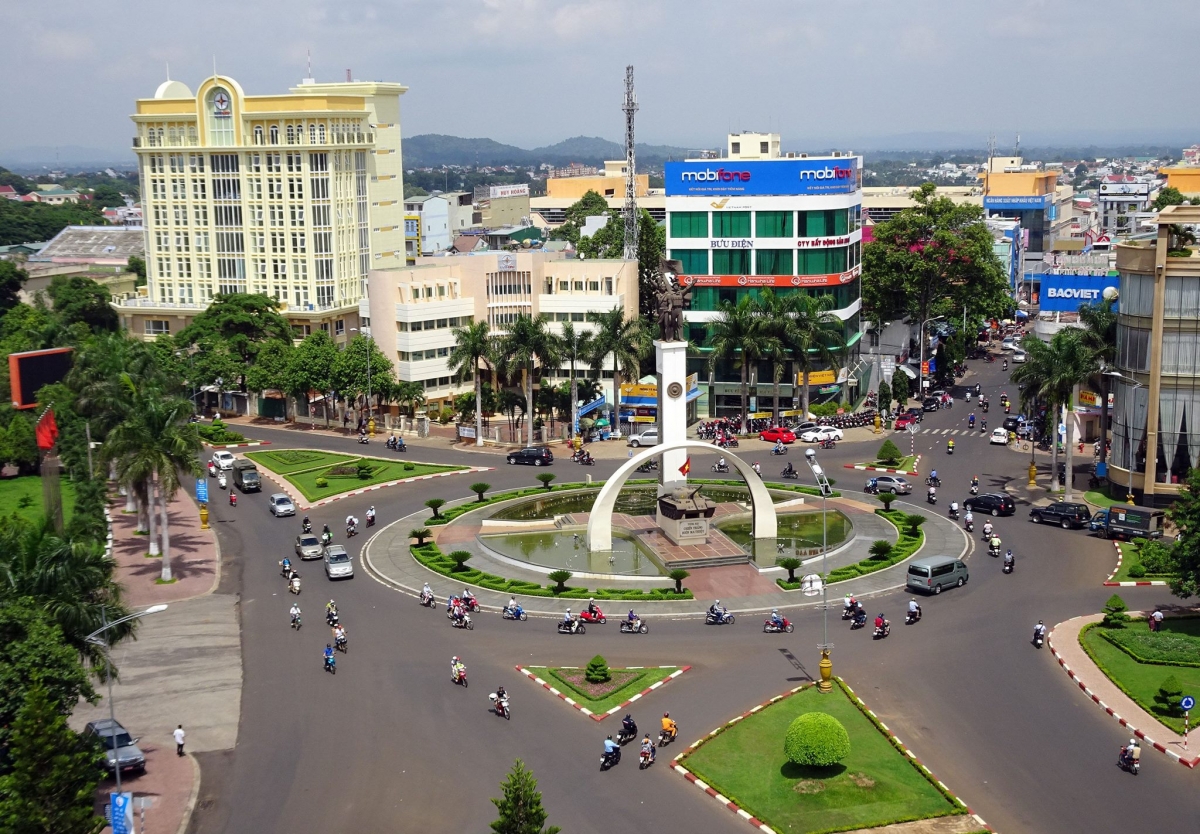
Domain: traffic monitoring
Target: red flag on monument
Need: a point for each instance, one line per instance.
(687, 467)
(47, 430)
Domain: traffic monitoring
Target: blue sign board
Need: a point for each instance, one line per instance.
(201, 491)
(1188, 702)
(1018, 203)
(1064, 293)
(121, 812)
(768, 177)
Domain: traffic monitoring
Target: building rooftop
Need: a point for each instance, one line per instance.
(1184, 215)
(86, 242)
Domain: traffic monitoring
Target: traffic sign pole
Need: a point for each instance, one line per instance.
(1186, 704)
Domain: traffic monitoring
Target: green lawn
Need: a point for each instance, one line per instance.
(905, 463)
(288, 461)
(1101, 498)
(1140, 681)
(643, 679)
(875, 785)
(1129, 558)
(23, 496)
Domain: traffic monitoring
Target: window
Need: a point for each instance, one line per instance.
(763, 147)
(155, 327)
(578, 317)
(442, 323)
(774, 224)
(773, 262)
(593, 286)
(824, 223)
(731, 224)
(731, 262)
(689, 224)
(735, 147)
(273, 133)
(339, 327)
(402, 355)
(695, 261)
(443, 352)
(258, 134)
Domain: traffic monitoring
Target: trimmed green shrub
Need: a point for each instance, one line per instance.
(1137, 570)
(546, 478)
(913, 522)
(886, 498)
(1114, 612)
(321, 482)
(880, 549)
(408, 467)
(420, 534)
(459, 557)
(364, 470)
(435, 504)
(597, 670)
(1155, 557)
(888, 452)
(559, 578)
(216, 432)
(677, 576)
(1170, 691)
(479, 488)
(789, 563)
(885, 396)
(816, 739)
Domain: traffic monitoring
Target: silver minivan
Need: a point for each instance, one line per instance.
(933, 573)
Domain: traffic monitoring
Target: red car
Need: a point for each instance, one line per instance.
(904, 421)
(778, 433)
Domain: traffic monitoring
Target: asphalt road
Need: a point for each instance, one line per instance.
(389, 743)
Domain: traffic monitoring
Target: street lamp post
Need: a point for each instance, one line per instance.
(921, 367)
(826, 666)
(366, 331)
(95, 639)
(1128, 431)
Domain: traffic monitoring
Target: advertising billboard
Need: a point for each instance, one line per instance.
(498, 192)
(763, 178)
(1017, 203)
(834, 280)
(1064, 293)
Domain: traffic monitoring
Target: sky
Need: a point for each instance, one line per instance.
(533, 72)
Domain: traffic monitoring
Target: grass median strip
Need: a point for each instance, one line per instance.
(320, 475)
(876, 784)
(602, 697)
(906, 545)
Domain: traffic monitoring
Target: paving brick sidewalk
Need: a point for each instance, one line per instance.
(1064, 643)
(193, 555)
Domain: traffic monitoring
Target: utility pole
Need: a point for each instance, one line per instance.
(631, 210)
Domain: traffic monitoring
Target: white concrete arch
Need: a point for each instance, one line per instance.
(599, 529)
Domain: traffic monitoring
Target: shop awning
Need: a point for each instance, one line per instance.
(907, 370)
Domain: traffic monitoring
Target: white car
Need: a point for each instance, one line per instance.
(222, 460)
(823, 433)
(338, 564)
(1018, 357)
(281, 505)
(647, 438)
(1009, 343)
(999, 437)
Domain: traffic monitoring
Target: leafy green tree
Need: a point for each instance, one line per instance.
(474, 346)
(888, 452)
(33, 653)
(813, 336)
(574, 345)
(1114, 612)
(789, 564)
(27, 222)
(934, 257)
(270, 370)
(235, 327)
(12, 279)
(884, 395)
(137, 266)
(310, 368)
(1168, 196)
(609, 242)
(590, 204)
(520, 807)
(626, 341)
(350, 370)
(528, 342)
(816, 739)
(54, 774)
(1099, 338)
(901, 389)
(411, 394)
(735, 327)
(107, 196)
(1185, 515)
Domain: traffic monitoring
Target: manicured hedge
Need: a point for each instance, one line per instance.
(431, 557)
(905, 547)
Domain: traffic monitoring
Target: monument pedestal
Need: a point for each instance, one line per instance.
(671, 369)
(683, 516)
(683, 530)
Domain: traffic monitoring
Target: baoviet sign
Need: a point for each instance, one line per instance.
(780, 281)
(818, 378)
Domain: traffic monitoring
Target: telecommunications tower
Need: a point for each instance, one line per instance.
(631, 210)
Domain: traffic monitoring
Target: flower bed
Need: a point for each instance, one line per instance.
(905, 547)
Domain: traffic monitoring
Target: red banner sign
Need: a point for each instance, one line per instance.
(771, 280)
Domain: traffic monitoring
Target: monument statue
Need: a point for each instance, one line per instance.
(673, 295)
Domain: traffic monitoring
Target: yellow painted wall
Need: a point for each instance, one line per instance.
(1022, 184)
(1187, 180)
(575, 187)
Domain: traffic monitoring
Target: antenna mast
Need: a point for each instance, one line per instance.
(631, 210)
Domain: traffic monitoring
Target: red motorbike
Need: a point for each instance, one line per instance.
(770, 626)
(589, 617)
(470, 604)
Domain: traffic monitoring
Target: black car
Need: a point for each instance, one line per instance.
(995, 503)
(536, 455)
(931, 404)
(1061, 512)
(1012, 422)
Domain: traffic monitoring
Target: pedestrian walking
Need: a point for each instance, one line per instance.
(179, 737)
(1156, 620)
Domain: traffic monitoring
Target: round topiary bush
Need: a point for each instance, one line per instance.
(322, 482)
(816, 739)
(1137, 571)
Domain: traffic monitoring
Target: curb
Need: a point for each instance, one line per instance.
(1108, 583)
(1190, 763)
(601, 716)
(691, 777)
(864, 468)
(195, 794)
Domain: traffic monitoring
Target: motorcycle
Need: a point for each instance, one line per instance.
(933, 482)
(470, 604)
(212, 469)
(770, 627)
(954, 513)
(969, 525)
(1039, 637)
(351, 531)
(221, 481)
(1008, 567)
(427, 599)
(326, 538)
(974, 489)
(573, 627)
(286, 570)
(294, 584)
(931, 498)
(589, 617)
(827, 444)
(306, 527)
(882, 631)
(362, 438)
(610, 759)
(665, 737)
(500, 706)
(993, 551)
(331, 664)
(644, 760)
(780, 451)
(517, 613)
(232, 498)
(341, 644)
(860, 620)
(724, 470)
(635, 627)
(465, 622)
(625, 736)
(370, 521)
(985, 405)
(949, 449)
(789, 474)
(331, 619)
(587, 461)
(1128, 763)
(723, 618)
(296, 624)
(911, 617)
(460, 678)
(648, 466)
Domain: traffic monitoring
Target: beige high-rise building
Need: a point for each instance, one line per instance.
(296, 196)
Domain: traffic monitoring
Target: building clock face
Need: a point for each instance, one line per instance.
(221, 101)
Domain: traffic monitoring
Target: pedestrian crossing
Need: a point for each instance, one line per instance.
(962, 432)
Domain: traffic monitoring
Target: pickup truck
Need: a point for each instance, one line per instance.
(1123, 521)
(245, 476)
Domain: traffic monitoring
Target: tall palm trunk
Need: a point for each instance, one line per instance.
(131, 505)
(478, 408)
(1067, 420)
(574, 399)
(166, 538)
(778, 374)
(804, 393)
(150, 516)
(527, 387)
(745, 397)
(616, 395)
(1054, 417)
(1103, 419)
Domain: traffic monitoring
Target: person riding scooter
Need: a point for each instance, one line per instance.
(931, 496)
(778, 449)
(669, 726)
(914, 610)
(971, 420)
(954, 510)
(788, 471)
(950, 447)
(987, 530)
(1009, 560)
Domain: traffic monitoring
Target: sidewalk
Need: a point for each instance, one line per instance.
(1063, 641)
(183, 668)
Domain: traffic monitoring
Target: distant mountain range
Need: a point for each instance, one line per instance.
(432, 150)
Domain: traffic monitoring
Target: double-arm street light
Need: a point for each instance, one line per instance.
(825, 684)
(99, 637)
(1128, 429)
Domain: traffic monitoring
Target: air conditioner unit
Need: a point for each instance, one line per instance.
(804, 156)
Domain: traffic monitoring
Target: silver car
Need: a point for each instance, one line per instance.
(308, 546)
(338, 564)
(119, 748)
(281, 505)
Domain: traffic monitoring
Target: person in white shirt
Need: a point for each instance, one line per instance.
(179, 735)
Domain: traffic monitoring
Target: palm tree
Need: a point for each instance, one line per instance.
(813, 335)
(527, 343)
(627, 341)
(774, 311)
(472, 347)
(410, 393)
(1050, 373)
(735, 327)
(574, 345)
(1099, 336)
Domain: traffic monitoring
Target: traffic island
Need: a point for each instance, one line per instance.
(319, 476)
(877, 781)
(906, 465)
(600, 699)
(1130, 572)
